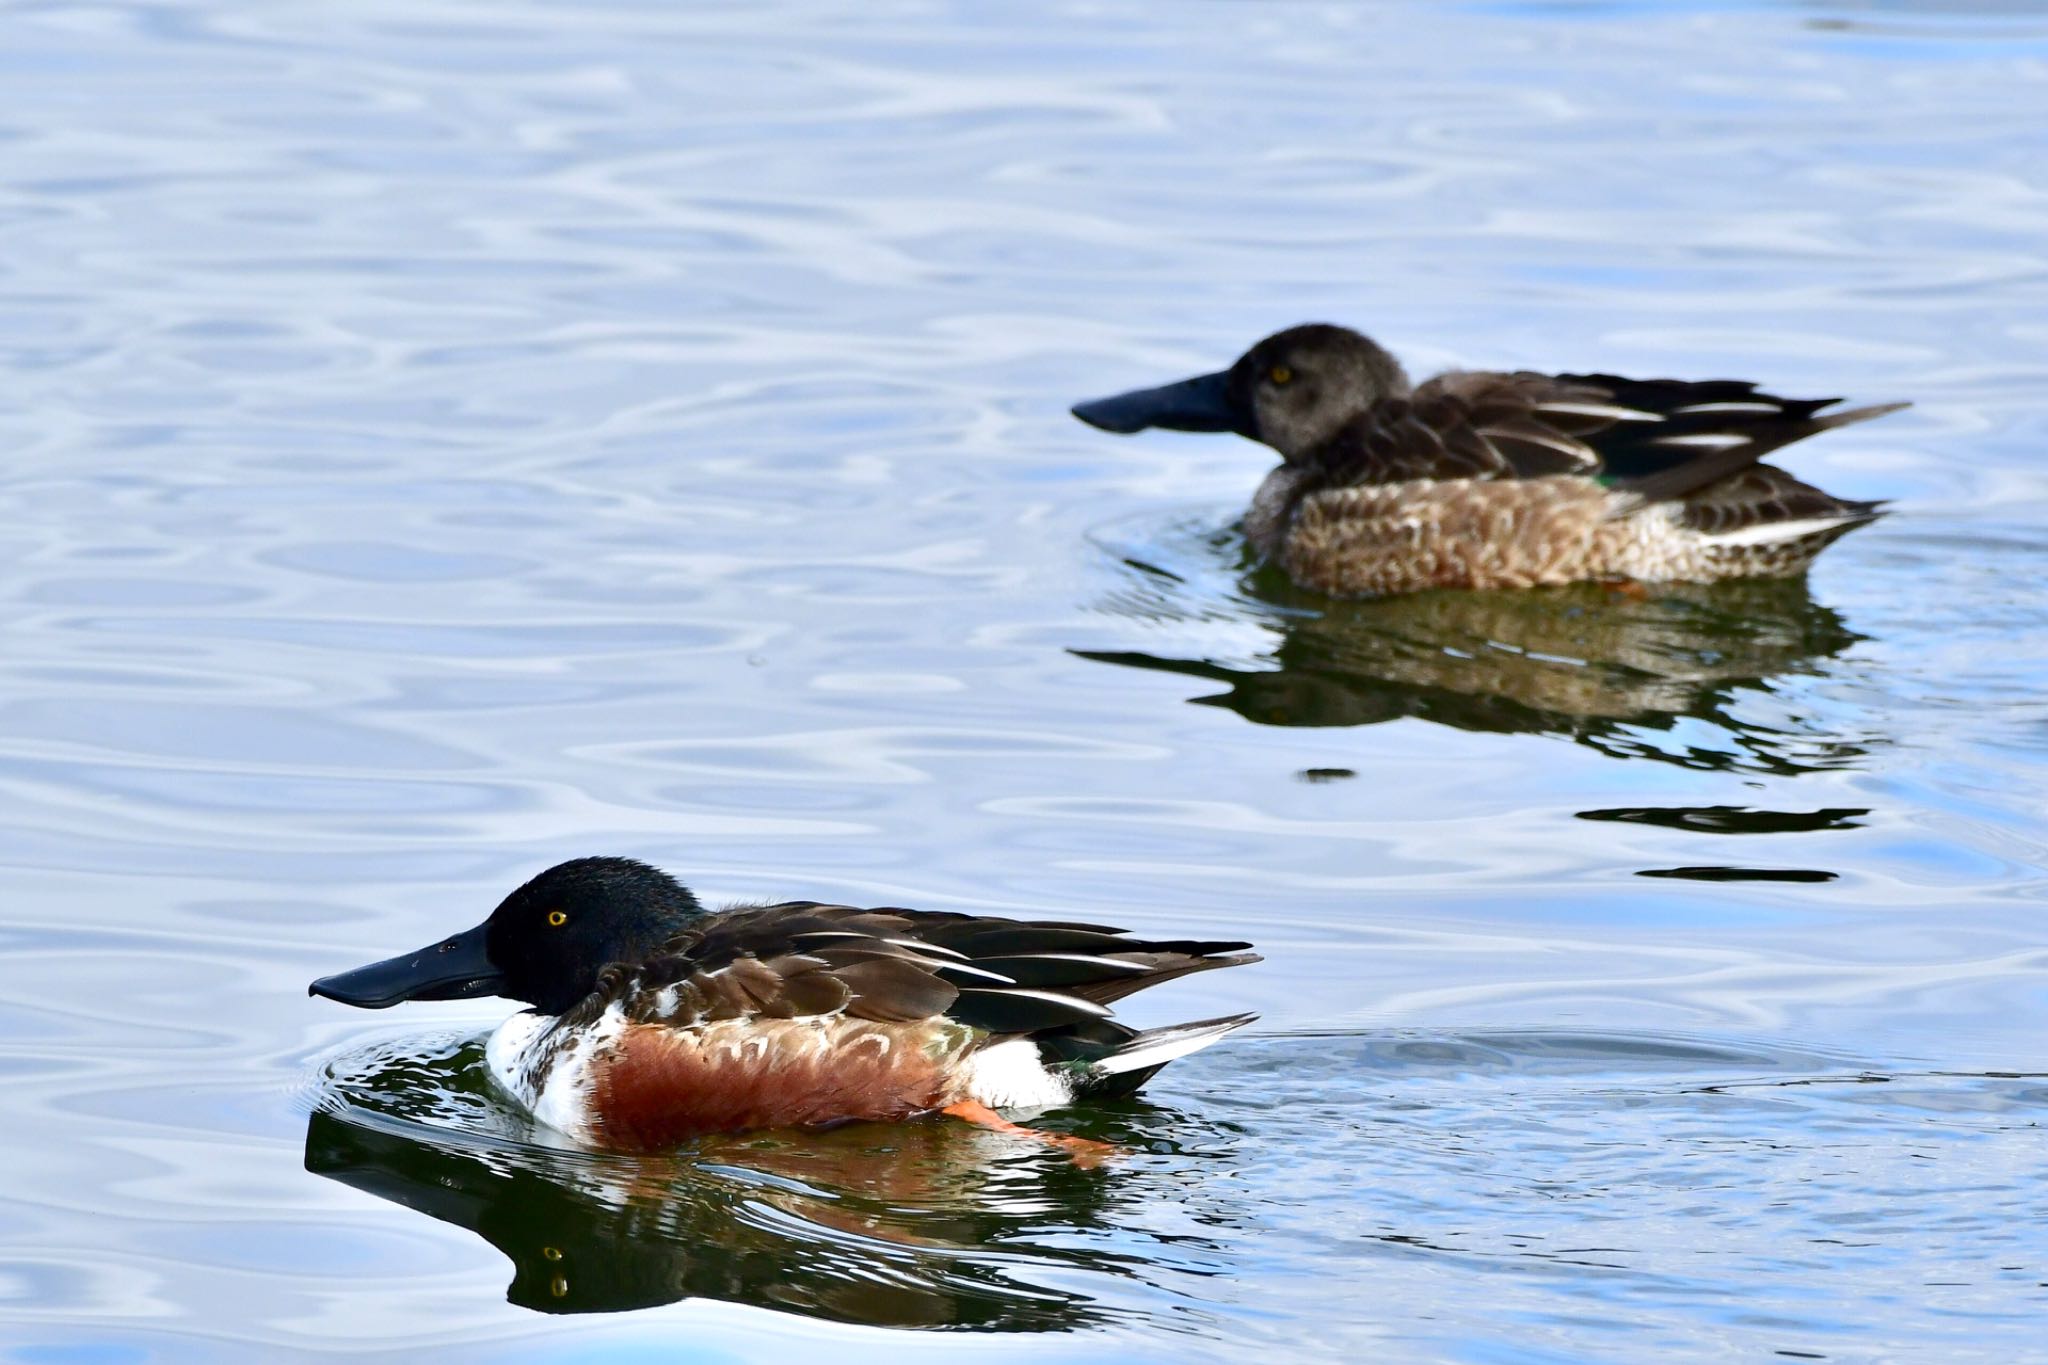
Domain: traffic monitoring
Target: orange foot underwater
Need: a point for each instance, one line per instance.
(1087, 1152)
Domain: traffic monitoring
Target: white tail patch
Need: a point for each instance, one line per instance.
(1777, 532)
(1013, 1075)
(1156, 1047)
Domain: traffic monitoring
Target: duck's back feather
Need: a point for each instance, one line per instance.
(802, 958)
(1655, 439)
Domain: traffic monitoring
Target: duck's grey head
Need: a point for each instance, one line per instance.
(1293, 391)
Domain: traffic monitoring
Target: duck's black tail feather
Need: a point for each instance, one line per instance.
(1706, 432)
(1036, 978)
(1110, 1060)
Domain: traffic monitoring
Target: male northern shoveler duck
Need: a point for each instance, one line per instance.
(1481, 480)
(654, 1021)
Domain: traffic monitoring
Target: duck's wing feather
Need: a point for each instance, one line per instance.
(803, 958)
(1764, 503)
(1473, 426)
(1657, 439)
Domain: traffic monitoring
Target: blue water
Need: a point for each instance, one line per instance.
(447, 438)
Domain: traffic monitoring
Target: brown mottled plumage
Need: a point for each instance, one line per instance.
(1483, 480)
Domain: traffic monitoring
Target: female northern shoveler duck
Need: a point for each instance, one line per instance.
(654, 1021)
(1477, 480)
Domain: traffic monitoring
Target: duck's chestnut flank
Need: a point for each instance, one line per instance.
(658, 1086)
(655, 1021)
(1503, 480)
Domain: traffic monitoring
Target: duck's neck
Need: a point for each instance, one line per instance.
(1272, 509)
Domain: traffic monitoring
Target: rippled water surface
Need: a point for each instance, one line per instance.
(444, 438)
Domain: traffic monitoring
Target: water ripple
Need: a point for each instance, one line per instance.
(446, 438)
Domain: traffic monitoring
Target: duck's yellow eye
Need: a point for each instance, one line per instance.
(1280, 374)
(557, 918)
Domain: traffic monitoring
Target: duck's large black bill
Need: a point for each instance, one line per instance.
(453, 969)
(1198, 404)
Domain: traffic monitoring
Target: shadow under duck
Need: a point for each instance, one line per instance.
(1504, 480)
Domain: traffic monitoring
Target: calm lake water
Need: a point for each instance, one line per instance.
(445, 438)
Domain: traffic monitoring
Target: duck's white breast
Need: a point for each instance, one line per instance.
(528, 1045)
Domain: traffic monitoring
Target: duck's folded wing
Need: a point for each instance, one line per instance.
(1656, 438)
(802, 958)
(1689, 436)
(1475, 426)
(1763, 504)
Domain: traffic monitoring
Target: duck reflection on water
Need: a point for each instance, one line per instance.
(1619, 669)
(919, 1225)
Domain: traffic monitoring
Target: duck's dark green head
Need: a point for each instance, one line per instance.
(545, 943)
(1293, 391)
